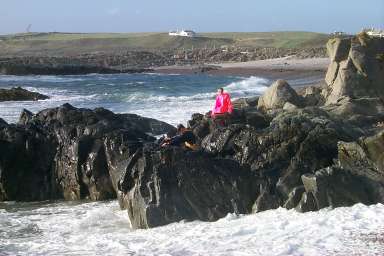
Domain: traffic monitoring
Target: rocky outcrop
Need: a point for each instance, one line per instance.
(356, 69)
(290, 150)
(172, 184)
(362, 112)
(312, 95)
(277, 95)
(241, 168)
(20, 94)
(69, 153)
(358, 176)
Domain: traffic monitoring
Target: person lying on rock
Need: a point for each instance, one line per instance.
(166, 137)
(184, 137)
(223, 106)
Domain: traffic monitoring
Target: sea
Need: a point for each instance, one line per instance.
(101, 228)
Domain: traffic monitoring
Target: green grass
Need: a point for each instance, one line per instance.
(280, 39)
(75, 43)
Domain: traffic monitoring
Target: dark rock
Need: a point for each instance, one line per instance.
(266, 201)
(359, 178)
(25, 117)
(19, 94)
(255, 118)
(2, 122)
(170, 185)
(307, 203)
(245, 102)
(294, 197)
(364, 156)
(69, 153)
(335, 187)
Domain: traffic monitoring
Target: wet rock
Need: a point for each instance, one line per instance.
(25, 116)
(69, 153)
(307, 203)
(26, 159)
(296, 142)
(335, 187)
(294, 197)
(242, 103)
(171, 185)
(2, 122)
(255, 118)
(357, 178)
(20, 94)
(266, 201)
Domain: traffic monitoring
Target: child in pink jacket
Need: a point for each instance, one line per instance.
(223, 103)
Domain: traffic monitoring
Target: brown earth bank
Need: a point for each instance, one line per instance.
(320, 146)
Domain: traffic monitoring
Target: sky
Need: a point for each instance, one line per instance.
(200, 15)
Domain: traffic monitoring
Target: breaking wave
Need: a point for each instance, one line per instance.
(101, 228)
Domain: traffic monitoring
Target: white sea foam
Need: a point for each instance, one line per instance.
(10, 111)
(248, 87)
(173, 109)
(102, 229)
(178, 109)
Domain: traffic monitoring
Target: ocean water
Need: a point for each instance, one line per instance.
(171, 98)
(100, 228)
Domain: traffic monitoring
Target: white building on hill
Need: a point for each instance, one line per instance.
(186, 33)
(374, 32)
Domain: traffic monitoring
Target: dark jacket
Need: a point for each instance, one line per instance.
(186, 136)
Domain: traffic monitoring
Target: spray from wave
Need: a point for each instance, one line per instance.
(251, 86)
(178, 109)
(101, 228)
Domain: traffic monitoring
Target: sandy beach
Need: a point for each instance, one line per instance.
(287, 68)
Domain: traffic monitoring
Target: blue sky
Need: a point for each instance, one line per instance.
(201, 15)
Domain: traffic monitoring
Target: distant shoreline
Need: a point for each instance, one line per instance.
(287, 68)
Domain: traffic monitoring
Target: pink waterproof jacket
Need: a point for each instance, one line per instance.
(223, 104)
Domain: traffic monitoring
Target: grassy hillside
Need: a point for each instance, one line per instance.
(74, 43)
(281, 39)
